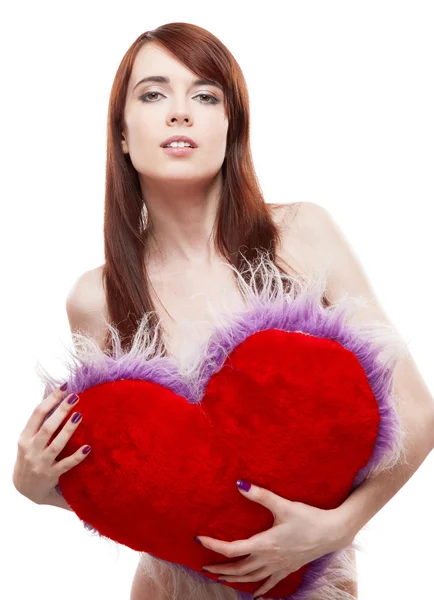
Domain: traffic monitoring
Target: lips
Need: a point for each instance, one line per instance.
(178, 138)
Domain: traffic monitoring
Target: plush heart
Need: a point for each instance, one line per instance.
(290, 400)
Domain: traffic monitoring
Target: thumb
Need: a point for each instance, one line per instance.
(260, 495)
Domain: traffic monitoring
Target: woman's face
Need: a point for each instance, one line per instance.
(155, 111)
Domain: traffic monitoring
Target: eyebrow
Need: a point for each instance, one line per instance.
(161, 79)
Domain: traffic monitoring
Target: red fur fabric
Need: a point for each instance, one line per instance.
(290, 412)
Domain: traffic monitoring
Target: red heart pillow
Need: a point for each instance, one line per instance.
(287, 397)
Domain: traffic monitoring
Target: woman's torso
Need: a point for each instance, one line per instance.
(206, 284)
(194, 295)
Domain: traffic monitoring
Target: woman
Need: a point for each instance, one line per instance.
(175, 218)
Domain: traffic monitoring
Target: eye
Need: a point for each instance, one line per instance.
(212, 99)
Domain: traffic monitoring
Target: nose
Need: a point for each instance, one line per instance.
(176, 119)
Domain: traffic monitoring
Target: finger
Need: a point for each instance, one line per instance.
(36, 418)
(242, 567)
(50, 426)
(231, 549)
(50, 412)
(257, 575)
(262, 496)
(46, 408)
(268, 585)
(71, 461)
(59, 442)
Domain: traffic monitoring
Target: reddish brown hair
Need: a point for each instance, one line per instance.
(244, 222)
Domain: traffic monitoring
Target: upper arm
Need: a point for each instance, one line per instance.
(85, 306)
(345, 274)
(329, 246)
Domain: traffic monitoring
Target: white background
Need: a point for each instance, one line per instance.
(342, 100)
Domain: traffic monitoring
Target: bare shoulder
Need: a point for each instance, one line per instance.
(299, 224)
(305, 219)
(86, 305)
(318, 224)
(302, 235)
(284, 214)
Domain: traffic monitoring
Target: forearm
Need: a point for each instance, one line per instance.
(367, 499)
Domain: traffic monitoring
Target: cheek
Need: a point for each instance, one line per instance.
(214, 138)
(216, 150)
(215, 153)
(144, 143)
(143, 125)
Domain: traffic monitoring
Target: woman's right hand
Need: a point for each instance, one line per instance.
(36, 471)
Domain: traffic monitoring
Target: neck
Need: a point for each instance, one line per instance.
(181, 223)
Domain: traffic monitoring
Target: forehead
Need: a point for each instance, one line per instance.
(153, 59)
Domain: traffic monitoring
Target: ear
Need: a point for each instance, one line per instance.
(124, 144)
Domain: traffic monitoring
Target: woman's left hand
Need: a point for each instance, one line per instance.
(300, 534)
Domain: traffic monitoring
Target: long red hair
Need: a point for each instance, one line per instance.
(244, 221)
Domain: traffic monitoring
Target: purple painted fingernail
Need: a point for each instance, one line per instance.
(197, 540)
(244, 485)
(76, 418)
(64, 386)
(73, 399)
